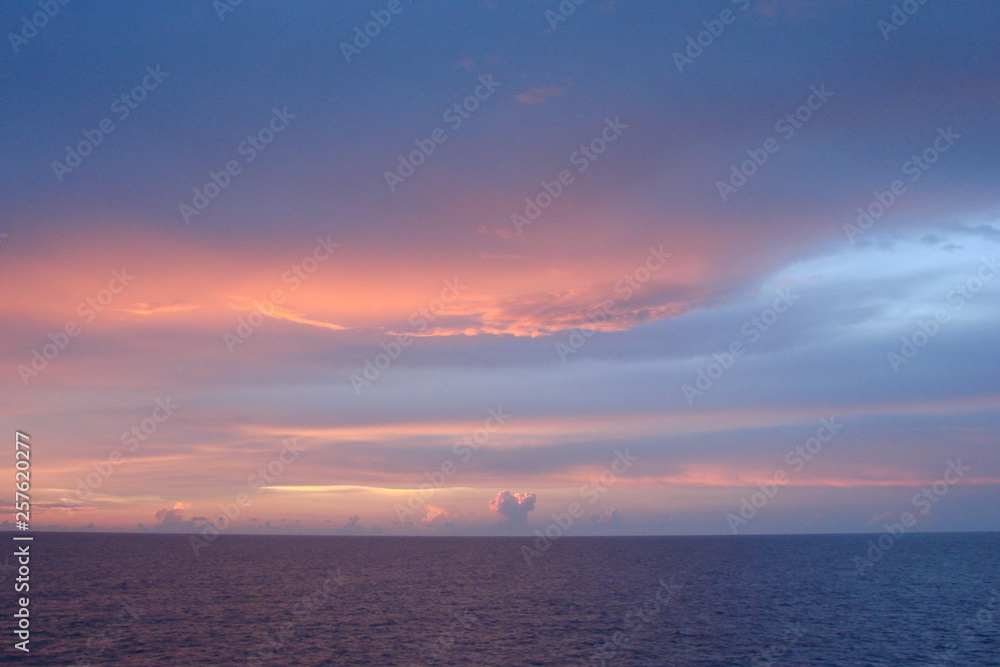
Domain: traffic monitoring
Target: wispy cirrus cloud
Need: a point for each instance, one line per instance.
(144, 308)
(539, 95)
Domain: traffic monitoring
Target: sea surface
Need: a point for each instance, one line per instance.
(135, 600)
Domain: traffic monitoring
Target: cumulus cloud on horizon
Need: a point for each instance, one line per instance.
(171, 519)
(513, 507)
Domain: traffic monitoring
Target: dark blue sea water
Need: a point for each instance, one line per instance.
(137, 600)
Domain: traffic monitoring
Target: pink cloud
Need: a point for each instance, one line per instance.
(513, 507)
(539, 95)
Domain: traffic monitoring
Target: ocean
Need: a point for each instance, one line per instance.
(135, 600)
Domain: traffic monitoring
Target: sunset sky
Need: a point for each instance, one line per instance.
(623, 246)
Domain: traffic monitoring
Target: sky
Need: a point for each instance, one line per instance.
(488, 267)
